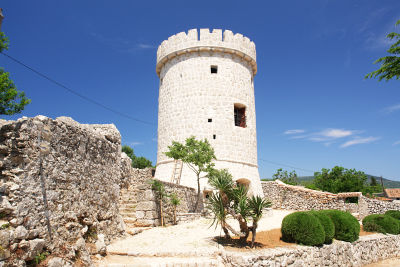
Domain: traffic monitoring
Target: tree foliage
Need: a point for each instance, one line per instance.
(12, 101)
(197, 155)
(390, 65)
(286, 177)
(232, 199)
(340, 179)
(137, 162)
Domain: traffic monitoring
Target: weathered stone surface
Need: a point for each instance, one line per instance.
(367, 249)
(300, 198)
(78, 166)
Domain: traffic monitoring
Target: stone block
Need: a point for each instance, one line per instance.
(146, 205)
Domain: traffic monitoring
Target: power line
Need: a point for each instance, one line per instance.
(76, 93)
(286, 165)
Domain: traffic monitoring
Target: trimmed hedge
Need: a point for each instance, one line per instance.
(373, 227)
(393, 213)
(302, 228)
(347, 228)
(387, 223)
(327, 224)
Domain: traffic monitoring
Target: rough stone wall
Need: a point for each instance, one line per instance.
(367, 249)
(146, 204)
(77, 167)
(291, 197)
(190, 95)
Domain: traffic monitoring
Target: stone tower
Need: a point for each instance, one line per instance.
(207, 90)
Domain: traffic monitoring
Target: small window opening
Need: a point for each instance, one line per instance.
(214, 69)
(209, 120)
(214, 136)
(240, 115)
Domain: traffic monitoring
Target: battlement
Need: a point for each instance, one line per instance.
(215, 41)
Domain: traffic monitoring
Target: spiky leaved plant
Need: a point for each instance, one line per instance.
(175, 201)
(159, 188)
(232, 199)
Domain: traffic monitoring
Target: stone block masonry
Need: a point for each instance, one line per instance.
(367, 249)
(205, 79)
(59, 188)
(139, 204)
(291, 197)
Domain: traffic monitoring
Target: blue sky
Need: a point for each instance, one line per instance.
(314, 108)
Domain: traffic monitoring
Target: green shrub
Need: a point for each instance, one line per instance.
(393, 213)
(347, 227)
(389, 224)
(327, 224)
(373, 227)
(302, 228)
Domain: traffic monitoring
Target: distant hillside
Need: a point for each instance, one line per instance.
(386, 182)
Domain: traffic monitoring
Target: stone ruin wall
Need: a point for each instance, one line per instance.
(291, 197)
(81, 174)
(146, 205)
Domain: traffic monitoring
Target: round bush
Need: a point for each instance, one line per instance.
(347, 227)
(393, 213)
(327, 224)
(387, 223)
(373, 227)
(302, 228)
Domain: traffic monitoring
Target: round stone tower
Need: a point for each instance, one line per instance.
(207, 90)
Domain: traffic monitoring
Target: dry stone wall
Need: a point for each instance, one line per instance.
(59, 189)
(367, 249)
(291, 197)
(146, 204)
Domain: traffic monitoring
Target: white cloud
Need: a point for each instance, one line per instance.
(359, 140)
(336, 133)
(135, 143)
(391, 109)
(396, 143)
(295, 131)
(145, 46)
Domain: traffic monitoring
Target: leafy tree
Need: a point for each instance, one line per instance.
(137, 162)
(197, 155)
(175, 201)
(231, 199)
(286, 177)
(373, 181)
(390, 65)
(159, 188)
(12, 101)
(340, 179)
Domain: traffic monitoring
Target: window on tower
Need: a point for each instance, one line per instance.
(214, 69)
(240, 115)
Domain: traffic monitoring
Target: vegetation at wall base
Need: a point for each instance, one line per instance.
(387, 223)
(347, 227)
(286, 177)
(303, 228)
(393, 213)
(327, 224)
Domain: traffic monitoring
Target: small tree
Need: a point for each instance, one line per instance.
(159, 188)
(340, 179)
(137, 162)
(286, 177)
(390, 65)
(232, 199)
(197, 155)
(175, 201)
(12, 101)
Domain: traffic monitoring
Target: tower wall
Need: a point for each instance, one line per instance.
(190, 95)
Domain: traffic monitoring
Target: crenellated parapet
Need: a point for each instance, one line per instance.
(215, 41)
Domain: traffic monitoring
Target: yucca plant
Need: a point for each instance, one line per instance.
(233, 199)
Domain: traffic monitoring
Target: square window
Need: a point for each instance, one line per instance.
(214, 69)
(209, 120)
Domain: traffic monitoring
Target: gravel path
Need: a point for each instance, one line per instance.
(188, 239)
